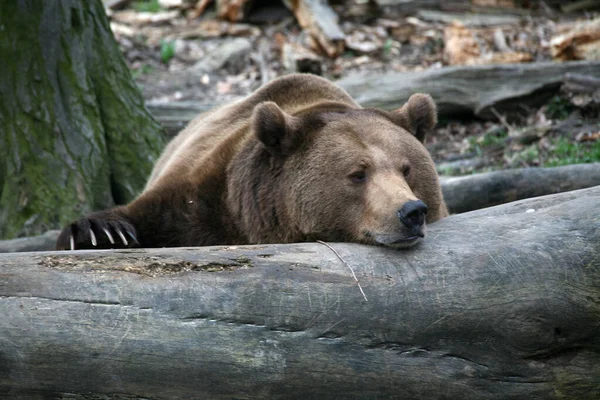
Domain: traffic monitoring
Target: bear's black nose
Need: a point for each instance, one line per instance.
(412, 215)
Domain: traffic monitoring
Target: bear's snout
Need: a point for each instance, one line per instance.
(412, 215)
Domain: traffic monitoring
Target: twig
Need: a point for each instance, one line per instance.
(347, 265)
(198, 9)
(262, 62)
(502, 120)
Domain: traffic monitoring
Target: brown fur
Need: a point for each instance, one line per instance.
(285, 164)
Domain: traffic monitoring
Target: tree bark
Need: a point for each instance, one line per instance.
(501, 303)
(74, 133)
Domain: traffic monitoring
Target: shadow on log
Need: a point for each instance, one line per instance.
(501, 303)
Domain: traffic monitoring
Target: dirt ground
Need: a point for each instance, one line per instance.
(208, 60)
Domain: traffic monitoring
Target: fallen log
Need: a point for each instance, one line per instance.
(412, 6)
(501, 303)
(174, 116)
(472, 192)
(468, 89)
(457, 90)
(43, 242)
(469, 19)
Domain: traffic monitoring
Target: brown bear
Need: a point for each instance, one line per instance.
(298, 160)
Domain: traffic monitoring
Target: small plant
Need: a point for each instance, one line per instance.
(495, 136)
(387, 47)
(348, 53)
(559, 108)
(147, 6)
(529, 155)
(143, 70)
(167, 50)
(566, 152)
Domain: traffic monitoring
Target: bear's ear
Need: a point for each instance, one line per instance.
(277, 130)
(418, 115)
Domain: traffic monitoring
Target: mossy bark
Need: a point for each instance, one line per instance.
(75, 135)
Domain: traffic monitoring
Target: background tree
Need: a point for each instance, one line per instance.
(75, 135)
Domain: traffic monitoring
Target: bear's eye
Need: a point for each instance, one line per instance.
(358, 176)
(406, 170)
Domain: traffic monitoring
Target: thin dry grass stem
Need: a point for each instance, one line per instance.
(503, 121)
(347, 265)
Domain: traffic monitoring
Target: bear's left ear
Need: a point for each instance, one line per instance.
(418, 115)
(277, 130)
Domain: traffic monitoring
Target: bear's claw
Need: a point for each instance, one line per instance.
(122, 237)
(109, 236)
(86, 233)
(93, 237)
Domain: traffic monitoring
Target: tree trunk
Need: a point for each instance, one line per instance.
(501, 303)
(74, 133)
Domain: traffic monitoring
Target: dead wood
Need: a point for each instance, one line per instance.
(232, 10)
(580, 43)
(44, 242)
(477, 191)
(412, 6)
(321, 22)
(501, 303)
(468, 89)
(174, 116)
(469, 19)
(297, 58)
(581, 83)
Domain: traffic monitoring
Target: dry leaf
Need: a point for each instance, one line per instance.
(460, 45)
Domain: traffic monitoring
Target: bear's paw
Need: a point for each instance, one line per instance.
(98, 231)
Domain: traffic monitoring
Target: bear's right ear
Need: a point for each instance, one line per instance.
(277, 130)
(418, 115)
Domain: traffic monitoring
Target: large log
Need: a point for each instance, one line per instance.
(457, 90)
(502, 303)
(468, 89)
(472, 192)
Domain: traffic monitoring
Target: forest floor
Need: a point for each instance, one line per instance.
(175, 58)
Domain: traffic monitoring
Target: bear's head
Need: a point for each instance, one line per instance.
(337, 173)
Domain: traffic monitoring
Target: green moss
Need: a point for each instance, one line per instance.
(74, 133)
(167, 50)
(146, 6)
(529, 155)
(559, 108)
(145, 69)
(494, 136)
(566, 152)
